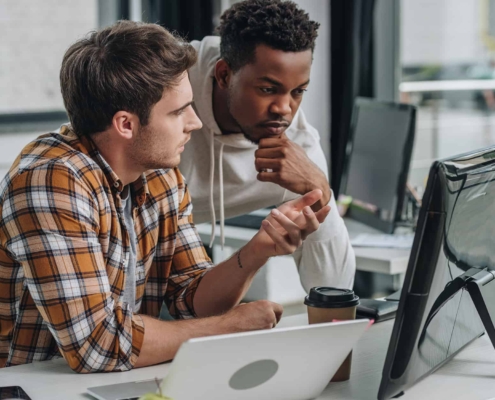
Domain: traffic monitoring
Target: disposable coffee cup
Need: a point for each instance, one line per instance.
(326, 304)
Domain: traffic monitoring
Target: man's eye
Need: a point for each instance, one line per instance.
(181, 111)
(299, 92)
(268, 90)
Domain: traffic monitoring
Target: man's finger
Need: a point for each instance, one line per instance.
(311, 223)
(266, 176)
(307, 200)
(274, 152)
(271, 142)
(266, 163)
(277, 237)
(278, 310)
(322, 213)
(292, 229)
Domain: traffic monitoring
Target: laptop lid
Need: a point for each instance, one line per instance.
(289, 363)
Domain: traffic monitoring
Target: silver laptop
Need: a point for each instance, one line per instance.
(294, 363)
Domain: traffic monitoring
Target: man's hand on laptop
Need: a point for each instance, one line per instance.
(284, 230)
(281, 161)
(261, 314)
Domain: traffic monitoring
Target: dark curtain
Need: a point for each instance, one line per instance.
(351, 72)
(192, 19)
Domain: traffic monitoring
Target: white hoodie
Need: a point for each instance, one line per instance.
(221, 177)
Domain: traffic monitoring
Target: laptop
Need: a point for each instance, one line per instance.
(288, 363)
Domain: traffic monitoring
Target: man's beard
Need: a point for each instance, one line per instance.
(246, 134)
(142, 148)
(245, 131)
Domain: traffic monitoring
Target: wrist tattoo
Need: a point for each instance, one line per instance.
(239, 258)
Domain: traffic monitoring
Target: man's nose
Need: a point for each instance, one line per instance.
(281, 106)
(196, 123)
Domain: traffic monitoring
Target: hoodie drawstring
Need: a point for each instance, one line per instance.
(222, 211)
(212, 202)
(212, 178)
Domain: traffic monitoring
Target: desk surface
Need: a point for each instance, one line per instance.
(470, 375)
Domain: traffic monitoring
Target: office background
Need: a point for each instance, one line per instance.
(395, 42)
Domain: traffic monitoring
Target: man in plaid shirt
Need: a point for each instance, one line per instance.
(96, 229)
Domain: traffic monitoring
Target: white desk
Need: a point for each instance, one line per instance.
(469, 376)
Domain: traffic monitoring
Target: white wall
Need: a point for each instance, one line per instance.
(316, 103)
(441, 31)
(33, 38)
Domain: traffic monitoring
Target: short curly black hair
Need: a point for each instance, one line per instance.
(278, 24)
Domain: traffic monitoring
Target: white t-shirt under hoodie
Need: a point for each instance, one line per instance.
(221, 177)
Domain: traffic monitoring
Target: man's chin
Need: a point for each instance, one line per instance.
(262, 134)
(251, 138)
(164, 164)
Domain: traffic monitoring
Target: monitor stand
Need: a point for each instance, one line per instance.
(481, 287)
(480, 283)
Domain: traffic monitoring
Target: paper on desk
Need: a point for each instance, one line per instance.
(383, 240)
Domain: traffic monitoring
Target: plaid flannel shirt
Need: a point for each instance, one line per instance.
(64, 249)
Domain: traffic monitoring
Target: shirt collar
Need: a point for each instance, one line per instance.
(139, 186)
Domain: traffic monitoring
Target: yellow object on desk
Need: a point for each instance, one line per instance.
(155, 396)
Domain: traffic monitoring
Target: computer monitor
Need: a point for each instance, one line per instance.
(455, 236)
(376, 165)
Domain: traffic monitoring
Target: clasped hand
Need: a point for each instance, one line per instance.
(283, 162)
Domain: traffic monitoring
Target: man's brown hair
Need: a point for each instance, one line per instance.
(126, 66)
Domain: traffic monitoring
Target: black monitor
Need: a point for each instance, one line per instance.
(454, 241)
(376, 165)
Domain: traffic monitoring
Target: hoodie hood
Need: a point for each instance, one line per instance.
(201, 76)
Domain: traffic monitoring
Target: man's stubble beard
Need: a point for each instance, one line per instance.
(141, 152)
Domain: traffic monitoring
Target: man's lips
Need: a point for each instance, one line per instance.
(183, 144)
(275, 128)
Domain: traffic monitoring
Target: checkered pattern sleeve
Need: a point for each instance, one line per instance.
(51, 220)
(190, 262)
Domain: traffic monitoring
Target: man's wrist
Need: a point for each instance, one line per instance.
(255, 253)
(326, 194)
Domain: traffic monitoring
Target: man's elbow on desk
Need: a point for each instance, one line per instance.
(108, 348)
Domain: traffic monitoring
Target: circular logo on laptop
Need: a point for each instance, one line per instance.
(253, 374)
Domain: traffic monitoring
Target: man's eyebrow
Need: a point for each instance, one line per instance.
(277, 83)
(182, 108)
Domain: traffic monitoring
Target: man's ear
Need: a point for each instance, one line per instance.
(125, 124)
(223, 72)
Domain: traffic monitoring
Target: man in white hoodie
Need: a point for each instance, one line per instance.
(256, 148)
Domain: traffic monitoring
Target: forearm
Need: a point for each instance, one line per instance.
(224, 286)
(162, 339)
